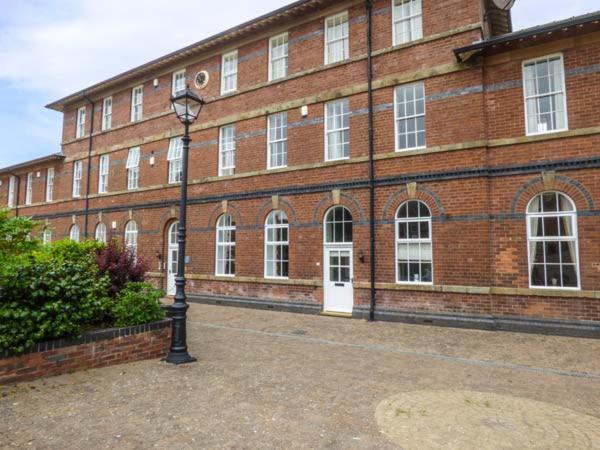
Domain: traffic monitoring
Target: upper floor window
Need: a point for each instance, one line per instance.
(227, 150)
(77, 172)
(174, 158)
(12, 182)
(414, 258)
(277, 140)
(278, 57)
(410, 116)
(29, 189)
(178, 84)
(131, 237)
(133, 168)
(336, 38)
(408, 20)
(137, 100)
(103, 171)
(74, 233)
(229, 70)
(545, 97)
(277, 245)
(101, 233)
(552, 239)
(225, 260)
(46, 236)
(80, 125)
(337, 130)
(107, 113)
(50, 184)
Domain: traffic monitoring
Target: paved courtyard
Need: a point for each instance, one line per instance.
(277, 380)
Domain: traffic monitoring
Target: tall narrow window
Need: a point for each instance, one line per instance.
(101, 233)
(29, 189)
(278, 57)
(103, 171)
(337, 130)
(277, 245)
(50, 184)
(137, 100)
(178, 83)
(545, 97)
(133, 168)
(80, 125)
(47, 236)
(229, 70)
(107, 113)
(131, 237)
(410, 116)
(336, 38)
(414, 258)
(77, 169)
(408, 20)
(225, 260)
(277, 140)
(227, 150)
(552, 239)
(11, 191)
(74, 233)
(174, 158)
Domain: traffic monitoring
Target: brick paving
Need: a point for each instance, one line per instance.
(278, 380)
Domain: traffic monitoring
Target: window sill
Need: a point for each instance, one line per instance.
(542, 133)
(345, 158)
(410, 149)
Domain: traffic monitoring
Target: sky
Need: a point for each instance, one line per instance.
(51, 48)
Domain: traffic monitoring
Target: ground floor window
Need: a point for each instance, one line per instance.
(414, 259)
(74, 233)
(131, 236)
(277, 245)
(225, 246)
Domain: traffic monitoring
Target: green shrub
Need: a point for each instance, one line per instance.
(15, 235)
(136, 304)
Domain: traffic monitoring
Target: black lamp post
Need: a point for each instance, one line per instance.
(187, 106)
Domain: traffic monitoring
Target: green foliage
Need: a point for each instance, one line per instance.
(15, 235)
(136, 304)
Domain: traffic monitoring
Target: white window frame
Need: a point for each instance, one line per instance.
(328, 132)
(227, 146)
(330, 220)
(12, 182)
(345, 39)
(133, 168)
(103, 173)
(273, 141)
(137, 103)
(411, 18)
(29, 189)
(74, 233)
(50, 184)
(107, 114)
(276, 243)
(526, 97)
(408, 240)
(414, 116)
(273, 44)
(80, 122)
(175, 158)
(225, 226)
(575, 238)
(46, 236)
(226, 76)
(100, 233)
(131, 237)
(177, 76)
(77, 176)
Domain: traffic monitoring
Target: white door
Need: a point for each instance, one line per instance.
(338, 278)
(173, 253)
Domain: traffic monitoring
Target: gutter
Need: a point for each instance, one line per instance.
(89, 171)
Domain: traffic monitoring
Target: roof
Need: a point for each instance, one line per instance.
(33, 162)
(294, 9)
(589, 22)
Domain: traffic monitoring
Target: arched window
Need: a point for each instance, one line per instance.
(338, 226)
(414, 259)
(276, 245)
(131, 236)
(552, 241)
(225, 260)
(101, 233)
(74, 233)
(47, 236)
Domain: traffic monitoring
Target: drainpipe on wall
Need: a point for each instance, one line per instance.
(89, 170)
(369, 11)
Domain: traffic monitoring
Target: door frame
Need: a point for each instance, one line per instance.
(339, 247)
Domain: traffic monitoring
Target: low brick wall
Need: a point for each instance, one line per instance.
(94, 349)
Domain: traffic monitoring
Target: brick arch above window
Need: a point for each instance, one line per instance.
(346, 200)
(267, 207)
(217, 212)
(423, 194)
(166, 220)
(572, 188)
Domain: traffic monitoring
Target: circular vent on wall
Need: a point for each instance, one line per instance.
(201, 79)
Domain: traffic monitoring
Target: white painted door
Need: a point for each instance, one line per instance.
(173, 253)
(338, 278)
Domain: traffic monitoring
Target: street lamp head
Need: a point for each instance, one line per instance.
(187, 106)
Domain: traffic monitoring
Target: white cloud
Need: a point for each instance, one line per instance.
(528, 13)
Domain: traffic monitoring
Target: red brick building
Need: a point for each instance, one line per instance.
(410, 159)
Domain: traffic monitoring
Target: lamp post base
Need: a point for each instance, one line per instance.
(179, 358)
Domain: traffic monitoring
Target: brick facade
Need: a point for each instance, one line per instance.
(477, 172)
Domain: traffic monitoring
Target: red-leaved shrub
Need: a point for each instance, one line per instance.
(121, 266)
